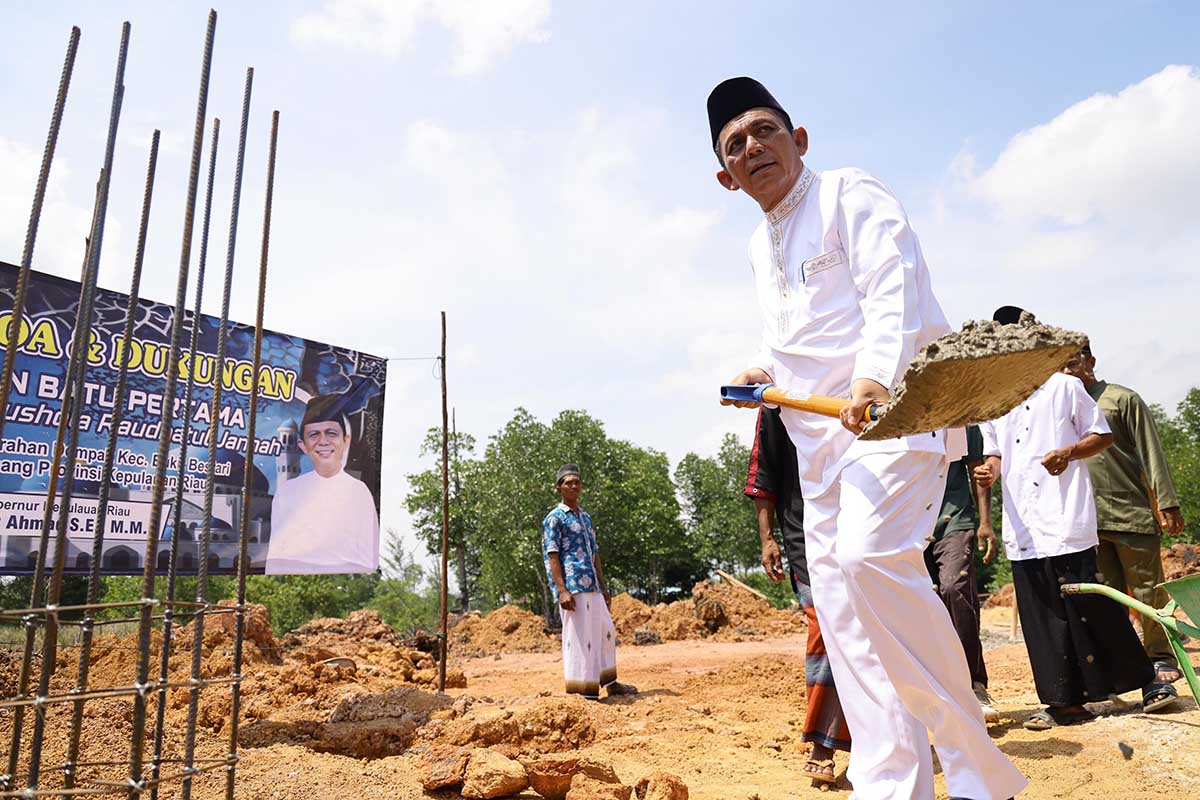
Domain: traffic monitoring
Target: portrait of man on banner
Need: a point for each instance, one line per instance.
(324, 520)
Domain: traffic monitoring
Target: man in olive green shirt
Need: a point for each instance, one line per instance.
(1135, 499)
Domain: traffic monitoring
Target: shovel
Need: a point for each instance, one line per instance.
(1185, 594)
(963, 378)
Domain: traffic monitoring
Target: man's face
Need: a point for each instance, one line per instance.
(1082, 366)
(570, 489)
(762, 157)
(325, 444)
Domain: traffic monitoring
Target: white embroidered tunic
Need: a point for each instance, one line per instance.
(845, 294)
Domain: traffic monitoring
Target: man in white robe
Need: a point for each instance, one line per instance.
(846, 301)
(323, 521)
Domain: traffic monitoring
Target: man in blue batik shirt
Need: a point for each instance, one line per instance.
(572, 558)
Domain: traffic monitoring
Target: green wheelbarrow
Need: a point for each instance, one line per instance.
(1185, 594)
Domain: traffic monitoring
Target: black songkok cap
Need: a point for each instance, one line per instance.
(325, 408)
(564, 471)
(734, 97)
(1008, 315)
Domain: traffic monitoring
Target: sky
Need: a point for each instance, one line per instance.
(541, 171)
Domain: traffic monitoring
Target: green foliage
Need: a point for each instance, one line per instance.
(296, 599)
(780, 594)
(424, 502)
(1180, 437)
(627, 490)
(405, 599)
(720, 520)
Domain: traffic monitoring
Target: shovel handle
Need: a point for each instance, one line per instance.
(813, 403)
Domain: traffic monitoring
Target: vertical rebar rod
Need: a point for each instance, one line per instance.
(214, 427)
(38, 581)
(444, 597)
(137, 740)
(177, 510)
(35, 215)
(248, 481)
(76, 376)
(93, 591)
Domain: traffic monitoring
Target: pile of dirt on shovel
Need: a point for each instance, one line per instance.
(715, 610)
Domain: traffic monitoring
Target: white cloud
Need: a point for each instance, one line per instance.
(484, 30)
(1128, 159)
(1088, 220)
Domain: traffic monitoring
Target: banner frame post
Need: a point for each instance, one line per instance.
(444, 643)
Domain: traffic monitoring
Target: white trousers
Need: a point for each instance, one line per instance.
(897, 662)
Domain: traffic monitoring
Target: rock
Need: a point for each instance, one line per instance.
(442, 766)
(661, 786)
(456, 679)
(644, 636)
(585, 787)
(551, 775)
(490, 774)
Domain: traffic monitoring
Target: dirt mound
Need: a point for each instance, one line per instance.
(1181, 560)
(718, 610)
(508, 629)
(546, 725)
(1002, 597)
(359, 627)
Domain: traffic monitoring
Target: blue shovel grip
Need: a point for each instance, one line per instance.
(745, 394)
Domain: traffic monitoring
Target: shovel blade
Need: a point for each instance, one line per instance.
(950, 390)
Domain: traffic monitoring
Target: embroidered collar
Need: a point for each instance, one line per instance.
(789, 203)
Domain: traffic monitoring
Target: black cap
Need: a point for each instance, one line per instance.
(1008, 315)
(564, 471)
(325, 408)
(734, 97)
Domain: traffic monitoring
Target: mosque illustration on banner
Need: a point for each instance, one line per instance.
(19, 548)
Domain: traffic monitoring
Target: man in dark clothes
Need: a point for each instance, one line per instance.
(1082, 648)
(775, 487)
(950, 558)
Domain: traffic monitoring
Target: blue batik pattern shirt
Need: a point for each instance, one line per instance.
(573, 537)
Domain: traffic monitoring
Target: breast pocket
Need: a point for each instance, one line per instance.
(822, 263)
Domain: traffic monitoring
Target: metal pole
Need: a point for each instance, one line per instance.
(38, 587)
(248, 482)
(213, 429)
(76, 376)
(445, 520)
(177, 512)
(136, 783)
(35, 215)
(93, 593)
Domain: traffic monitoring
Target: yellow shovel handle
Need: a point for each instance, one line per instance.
(815, 403)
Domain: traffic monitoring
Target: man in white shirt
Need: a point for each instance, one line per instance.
(1082, 648)
(846, 302)
(323, 521)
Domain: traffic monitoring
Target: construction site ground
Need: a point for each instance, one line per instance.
(723, 712)
(726, 717)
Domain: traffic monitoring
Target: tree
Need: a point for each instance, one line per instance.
(424, 502)
(719, 518)
(405, 599)
(627, 490)
(295, 599)
(1180, 437)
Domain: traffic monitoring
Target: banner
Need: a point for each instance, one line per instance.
(314, 475)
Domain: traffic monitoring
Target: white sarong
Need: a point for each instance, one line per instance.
(589, 646)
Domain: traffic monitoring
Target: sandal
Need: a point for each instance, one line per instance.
(1158, 695)
(820, 770)
(1052, 717)
(1166, 666)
